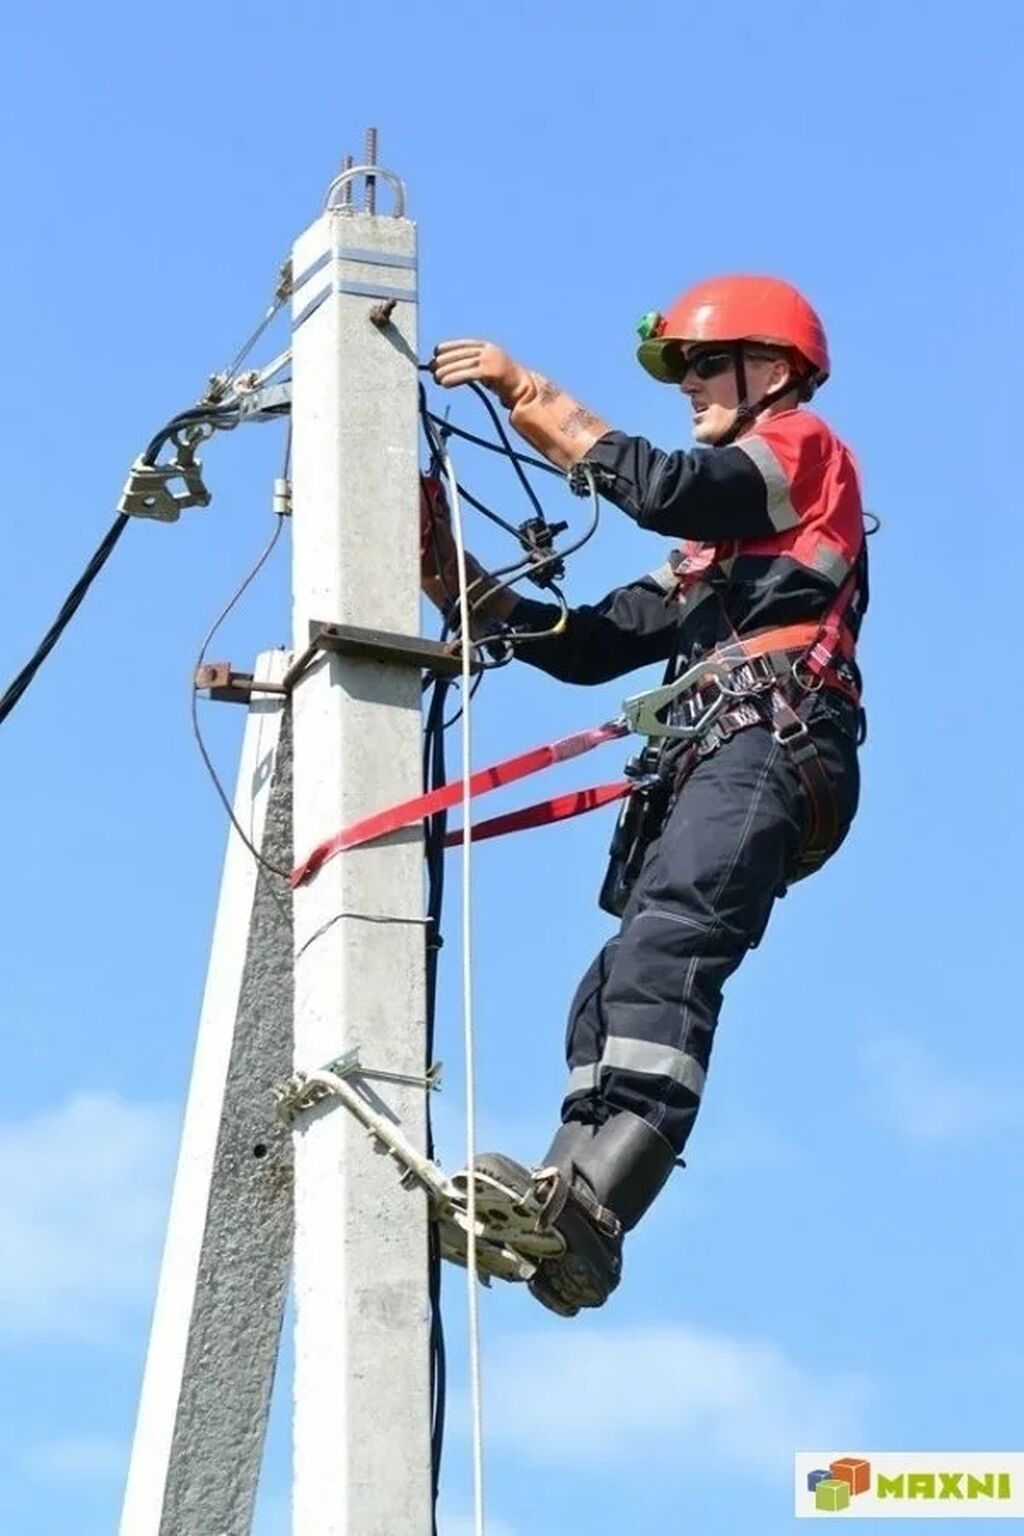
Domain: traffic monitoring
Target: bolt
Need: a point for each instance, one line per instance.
(381, 313)
(370, 196)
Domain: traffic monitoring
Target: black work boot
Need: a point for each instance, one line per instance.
(596, 1182)
(543, 1188)
(615, 1175)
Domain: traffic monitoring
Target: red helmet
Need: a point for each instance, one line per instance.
(762, 309)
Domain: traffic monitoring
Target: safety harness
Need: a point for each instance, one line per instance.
(762, 678)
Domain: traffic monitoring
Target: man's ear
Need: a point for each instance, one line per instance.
(782, 373)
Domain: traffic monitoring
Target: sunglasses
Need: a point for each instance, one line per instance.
(705, 365)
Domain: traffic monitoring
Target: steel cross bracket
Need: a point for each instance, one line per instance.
(385, 645)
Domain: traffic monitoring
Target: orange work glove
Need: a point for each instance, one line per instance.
(439, 576)
(480, 362)
(433, 510)
(436, 546)
(551, 421)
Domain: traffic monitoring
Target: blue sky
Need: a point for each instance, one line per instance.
(839, 1262)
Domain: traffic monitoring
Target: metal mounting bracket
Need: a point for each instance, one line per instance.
(228, 686)
(266, 403)
(512, 1234)
(384, 645)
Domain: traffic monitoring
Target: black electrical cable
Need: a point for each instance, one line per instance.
(483, 442)
(434, 776)
(68, 609)
(218, 417)
(223, 418)
(491, 515)
(437, 453)
(499, 427)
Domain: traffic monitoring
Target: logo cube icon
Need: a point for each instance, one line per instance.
(815, 1477)
(853, 1470)
(832, 1493)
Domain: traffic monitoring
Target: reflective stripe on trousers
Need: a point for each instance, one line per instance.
(643, 1019)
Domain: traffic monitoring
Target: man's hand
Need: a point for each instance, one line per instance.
(481, 362)
(439, 574)
(560, 427)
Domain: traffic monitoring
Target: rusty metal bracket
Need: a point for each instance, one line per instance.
(383, 645)
(227, 686)
(230, 687)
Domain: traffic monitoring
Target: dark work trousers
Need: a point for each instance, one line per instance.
(643, 1019)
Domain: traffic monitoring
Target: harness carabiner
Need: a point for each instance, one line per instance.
(643, 710)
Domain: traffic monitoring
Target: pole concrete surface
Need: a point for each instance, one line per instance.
(217, 1321)
(362, 1399)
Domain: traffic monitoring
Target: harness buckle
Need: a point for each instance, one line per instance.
(790, 731)
(813, 684)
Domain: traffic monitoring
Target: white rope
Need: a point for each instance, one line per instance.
(476, 1395)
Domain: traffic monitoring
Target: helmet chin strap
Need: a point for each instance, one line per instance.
(747, 411)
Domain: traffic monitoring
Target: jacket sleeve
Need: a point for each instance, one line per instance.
(738, 492)
(631, 627)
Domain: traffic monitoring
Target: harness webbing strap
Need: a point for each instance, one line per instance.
(442, 799)
(560, 808)
(825, 636)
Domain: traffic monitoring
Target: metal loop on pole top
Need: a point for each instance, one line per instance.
(344, 179)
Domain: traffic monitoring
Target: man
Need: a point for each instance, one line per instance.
(771, 583)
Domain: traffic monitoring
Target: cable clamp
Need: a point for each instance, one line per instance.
(147, 491)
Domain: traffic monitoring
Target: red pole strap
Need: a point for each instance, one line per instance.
(575, 803)
(485, 779)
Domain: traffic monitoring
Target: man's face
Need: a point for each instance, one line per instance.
(714, 399)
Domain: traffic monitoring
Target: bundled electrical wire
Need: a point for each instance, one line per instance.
(221, 409)
(70, 606)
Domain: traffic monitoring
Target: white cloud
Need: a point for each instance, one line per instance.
(83, 1203)
(602, 1398)
(928, 1101)
(77, 1458)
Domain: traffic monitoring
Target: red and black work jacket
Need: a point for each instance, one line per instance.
(770, 528)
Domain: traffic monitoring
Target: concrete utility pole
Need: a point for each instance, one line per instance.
(340, 964)
(217, 1321)
(362, 1399)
